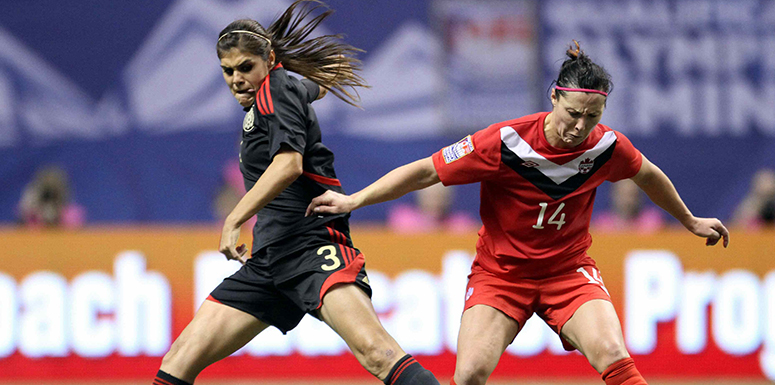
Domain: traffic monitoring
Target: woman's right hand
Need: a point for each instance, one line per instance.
(331, 203)
(228, 245)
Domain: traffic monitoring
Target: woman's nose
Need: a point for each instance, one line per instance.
(580, 124)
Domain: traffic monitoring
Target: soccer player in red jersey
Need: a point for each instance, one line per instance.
(538, 176)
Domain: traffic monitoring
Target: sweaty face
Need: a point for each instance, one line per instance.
(244, 73)
(573, 117)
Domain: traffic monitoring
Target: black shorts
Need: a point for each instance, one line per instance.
(282, 282)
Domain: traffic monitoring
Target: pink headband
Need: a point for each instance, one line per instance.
(581, 90)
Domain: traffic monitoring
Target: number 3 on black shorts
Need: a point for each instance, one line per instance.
(330, 254)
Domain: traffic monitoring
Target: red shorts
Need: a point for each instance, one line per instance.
(554, 299)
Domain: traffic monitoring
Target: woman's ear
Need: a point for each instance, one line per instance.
(271, 59)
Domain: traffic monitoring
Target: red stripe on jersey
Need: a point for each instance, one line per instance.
(261, 101)
(342, 238)
(339, 237)
(331, 234)
(343, 253)
(350, 253)
(347, 275)
(258, 104)
(267, 91)
(323, 179)
(210, 298)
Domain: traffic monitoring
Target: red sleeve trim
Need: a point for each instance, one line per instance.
(322, 179)
(268, 92)
(261, 99)
(260, 102)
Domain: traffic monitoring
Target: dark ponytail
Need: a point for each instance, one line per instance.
(326, 60)
(578, 71)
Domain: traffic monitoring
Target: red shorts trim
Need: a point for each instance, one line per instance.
(554, 299)
(353, 265)
(210, 298)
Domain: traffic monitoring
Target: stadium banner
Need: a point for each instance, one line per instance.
(106, 303)
(683, 68)
(491, 59)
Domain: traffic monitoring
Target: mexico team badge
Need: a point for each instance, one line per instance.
(247, 123)
(458, 150)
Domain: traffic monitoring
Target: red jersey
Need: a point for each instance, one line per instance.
(536, 199)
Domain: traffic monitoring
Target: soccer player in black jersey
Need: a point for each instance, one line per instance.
(298, 264)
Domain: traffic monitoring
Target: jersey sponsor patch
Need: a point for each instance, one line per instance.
(458, 150)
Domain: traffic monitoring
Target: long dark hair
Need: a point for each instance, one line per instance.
(579, 71)
(326, 60)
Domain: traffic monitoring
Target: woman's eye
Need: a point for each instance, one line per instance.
(245, 68)
(228, 71)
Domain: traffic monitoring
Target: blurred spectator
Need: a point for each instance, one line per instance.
(431, 213)
(758, 207)
(627, 212)
(230, 193)
(45, 201)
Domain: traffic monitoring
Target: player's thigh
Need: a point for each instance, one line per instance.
(215, 332)
(595, 330)
(485, 332)
(347, 309)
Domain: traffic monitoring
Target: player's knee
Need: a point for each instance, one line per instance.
(376, 355)
(173, 358)
(471, 373)
(606, 353)
(182, 356)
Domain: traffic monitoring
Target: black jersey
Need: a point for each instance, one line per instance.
(283, 117)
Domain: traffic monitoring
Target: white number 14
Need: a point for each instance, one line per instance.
(552, 220)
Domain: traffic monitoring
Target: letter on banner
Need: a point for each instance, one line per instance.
(42, 323)
(692, 322)
(92, 294)
(144, 305)
(652, 282)
(736, 313)
(9, 309)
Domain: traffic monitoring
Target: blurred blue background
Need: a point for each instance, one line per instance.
(127, 97)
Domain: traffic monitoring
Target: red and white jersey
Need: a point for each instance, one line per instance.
(536, 199)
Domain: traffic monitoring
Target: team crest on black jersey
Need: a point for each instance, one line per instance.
(247, 123)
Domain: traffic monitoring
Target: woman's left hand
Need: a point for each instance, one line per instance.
(229, 237)
(710, 228)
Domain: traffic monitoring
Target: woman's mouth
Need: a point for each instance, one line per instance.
(248, 91)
